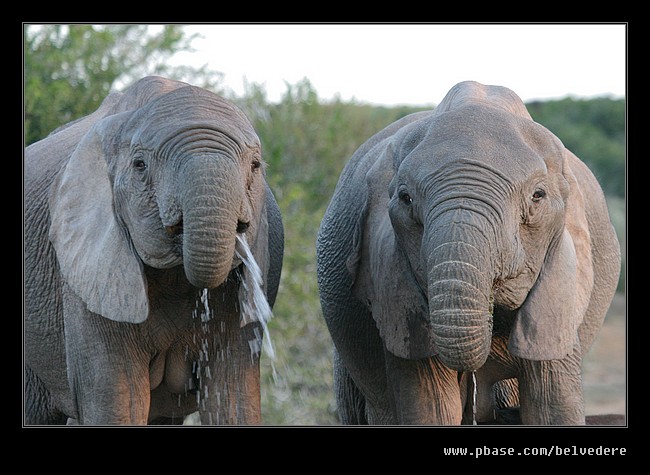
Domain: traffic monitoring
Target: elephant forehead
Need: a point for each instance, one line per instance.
(474, 126)
(187, 110)
(487, 135)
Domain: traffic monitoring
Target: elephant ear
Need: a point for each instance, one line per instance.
(94, 252)
(400, 307)
(546, 326)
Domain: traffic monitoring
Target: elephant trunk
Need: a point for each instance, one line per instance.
(460, 279)
(212, 202)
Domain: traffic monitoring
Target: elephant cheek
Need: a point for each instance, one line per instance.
(166, 260)
(144, 232)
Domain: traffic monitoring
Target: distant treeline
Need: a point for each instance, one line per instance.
(593, 129)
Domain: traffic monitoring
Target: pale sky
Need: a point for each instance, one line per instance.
(415, 64)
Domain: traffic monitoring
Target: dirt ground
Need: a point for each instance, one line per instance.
(604, 369)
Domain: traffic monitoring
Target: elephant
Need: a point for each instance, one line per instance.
(137, 221)
(466, 259)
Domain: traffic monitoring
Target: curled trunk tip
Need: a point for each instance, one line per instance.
(211, 218)
(463, 348)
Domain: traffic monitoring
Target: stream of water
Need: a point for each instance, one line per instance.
(252, 300)
(474, 394)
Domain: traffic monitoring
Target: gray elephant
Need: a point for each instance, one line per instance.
(467, 240)
(137, 220)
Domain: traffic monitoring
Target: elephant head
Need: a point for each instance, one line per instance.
(167, 174)
(469, 210)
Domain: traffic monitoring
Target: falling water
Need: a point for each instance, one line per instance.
(205, 315)
(252, 301)
(474, 394)
(200, 367)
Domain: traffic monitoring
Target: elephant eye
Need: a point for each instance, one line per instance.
(139, 164)
(538, 195)
(255, 165)
(405, 197)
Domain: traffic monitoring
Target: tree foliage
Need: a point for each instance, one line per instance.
(69, 69)
(594, 130)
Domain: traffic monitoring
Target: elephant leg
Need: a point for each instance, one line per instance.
(550, 392)
(360, 356)
(110, 392)
(108, 375)
(350, 401)
(39, 407)
(424, 391)
(108, 395)
(229, 378)
(506, 401)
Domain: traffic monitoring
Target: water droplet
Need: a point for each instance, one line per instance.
(205, 315)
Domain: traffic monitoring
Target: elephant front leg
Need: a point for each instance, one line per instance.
(108, 376)
(228, 375)
(424, 391)
(109, 392)
(551, 392)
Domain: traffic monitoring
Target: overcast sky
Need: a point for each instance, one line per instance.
(416, 64)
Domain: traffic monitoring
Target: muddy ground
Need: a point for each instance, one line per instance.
(604, 367)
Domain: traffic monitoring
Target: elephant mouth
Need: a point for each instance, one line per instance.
(175, 229)
(175, 233)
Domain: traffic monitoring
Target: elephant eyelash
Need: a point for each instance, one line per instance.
(256, 165)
